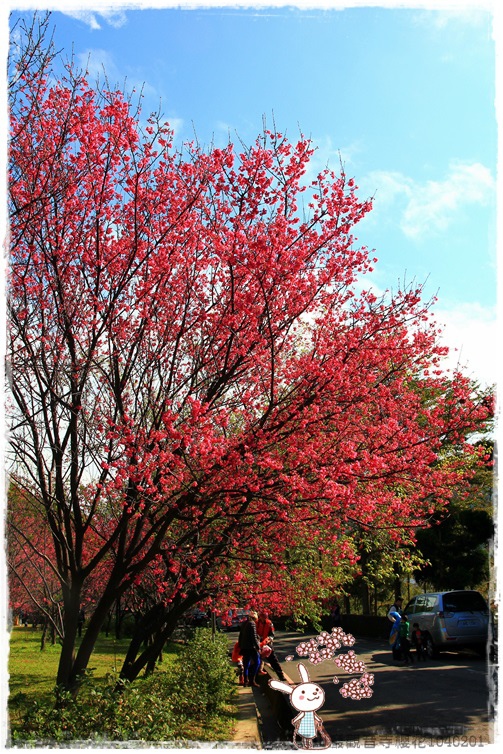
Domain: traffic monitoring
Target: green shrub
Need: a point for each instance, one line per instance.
(100, 713)
(189, 700)
(201, 680)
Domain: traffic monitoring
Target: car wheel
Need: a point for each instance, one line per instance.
(431, 650)
(482, 650)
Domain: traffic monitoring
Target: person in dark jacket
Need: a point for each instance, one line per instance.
(249, 646)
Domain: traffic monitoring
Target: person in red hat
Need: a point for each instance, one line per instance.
(265, 632)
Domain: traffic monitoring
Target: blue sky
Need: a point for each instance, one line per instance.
(405, 96)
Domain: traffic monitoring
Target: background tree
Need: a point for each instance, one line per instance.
(457, 551)
(457, 547)
(452, 550)
(192, 372)
(383, 562)
(34, 588)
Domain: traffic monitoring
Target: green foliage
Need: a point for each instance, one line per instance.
(457, 550)
(189, 701)
(201, 678)
(383, 564)
(99, 713)
(457, 546)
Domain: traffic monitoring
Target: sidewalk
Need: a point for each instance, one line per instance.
(247, 734)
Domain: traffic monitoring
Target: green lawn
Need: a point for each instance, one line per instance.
(33, 672)
(32, 676)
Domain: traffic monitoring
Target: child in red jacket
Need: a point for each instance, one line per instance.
(418, 642)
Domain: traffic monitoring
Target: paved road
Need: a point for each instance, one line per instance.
(436, 702)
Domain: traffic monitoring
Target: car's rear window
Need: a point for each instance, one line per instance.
(458, 602)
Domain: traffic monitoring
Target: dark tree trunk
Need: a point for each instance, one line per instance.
(72, 666)
(118, 618)
(365, 599)
(148, 658)
(108, 622)
(143, 630)
(70, 626)
(398, 586)
(44, 632)
(152, 632)
(91, 634)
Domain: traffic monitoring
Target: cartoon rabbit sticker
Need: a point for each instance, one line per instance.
(306, 697)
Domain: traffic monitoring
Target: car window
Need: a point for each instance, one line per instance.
(458, 602)
(426, 602)
(420, 604)
(411, 607)
(431, 602)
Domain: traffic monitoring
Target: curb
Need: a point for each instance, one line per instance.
(248, 732)
(278, 702)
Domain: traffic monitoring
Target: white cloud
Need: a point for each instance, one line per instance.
(439, 19)
(101, 66)
(98, 63)
(117, 18)
(112, 18)
(435, 204)
(470, 330)
(387, 187)
(432, 206)
(177, 124)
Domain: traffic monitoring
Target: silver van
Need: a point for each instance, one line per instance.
(450, 620)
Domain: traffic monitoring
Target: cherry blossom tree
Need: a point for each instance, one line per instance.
(193, 374)
(34, 586)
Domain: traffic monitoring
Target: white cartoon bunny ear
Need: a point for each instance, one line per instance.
(303, 673)
(281, 686)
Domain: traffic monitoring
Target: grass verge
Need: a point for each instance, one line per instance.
(150, 709)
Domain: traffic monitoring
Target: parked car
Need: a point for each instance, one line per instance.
(196, 618)
(451, 620)
(232, 619)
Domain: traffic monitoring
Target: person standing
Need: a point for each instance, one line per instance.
(394, 615)
(396, 607)
(404, 640)
(418, 642)
(265, 632)
(249, 646)
(265, 628)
